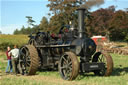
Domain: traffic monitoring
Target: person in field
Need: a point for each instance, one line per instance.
(14, 53)
(9, 64)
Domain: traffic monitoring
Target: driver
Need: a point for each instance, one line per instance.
(66, 30)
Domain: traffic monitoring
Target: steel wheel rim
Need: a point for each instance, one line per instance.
(108, 63)
(69, 66)
(66, 67)
(25, 60)
(101, 58)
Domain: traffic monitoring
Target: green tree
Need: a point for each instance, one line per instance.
(35, 29)
(22, 31)
(28, 30)
(16, 32)
(43, 24)
(0, 32)
(30, 21)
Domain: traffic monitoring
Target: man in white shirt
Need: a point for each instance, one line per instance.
(14, 53)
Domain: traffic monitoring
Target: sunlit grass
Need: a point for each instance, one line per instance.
(119, 76)
(11, 40)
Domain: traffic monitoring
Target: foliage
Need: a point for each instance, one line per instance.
(105, 21)
(108, 22)
(119, 25)
(27, 30)
(0, 32)
(30, 21)
(100, 21)
(11, 40)
(44, 24)
(64, 11)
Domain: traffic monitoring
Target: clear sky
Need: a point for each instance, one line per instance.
(13, 12)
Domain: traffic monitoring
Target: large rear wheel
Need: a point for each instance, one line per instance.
(69, 66)
(108, 62)
(28, 60)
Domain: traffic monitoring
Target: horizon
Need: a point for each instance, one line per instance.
(13, 12)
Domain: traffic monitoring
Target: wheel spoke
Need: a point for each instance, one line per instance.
(70, 63)
(22, 54)
(64, 59)
(68, 73)
(64, 67)
(70, 69)
(102, 58)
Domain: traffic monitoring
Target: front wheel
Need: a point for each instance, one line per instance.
(108, 62)
(28, 60)
(68, 66)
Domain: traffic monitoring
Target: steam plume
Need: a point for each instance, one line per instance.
(90, 3)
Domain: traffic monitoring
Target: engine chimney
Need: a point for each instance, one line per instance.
(81, 29)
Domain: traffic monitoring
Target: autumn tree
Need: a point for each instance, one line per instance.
(63, 11)
(119, 25)
(109, 22)
(99, 22)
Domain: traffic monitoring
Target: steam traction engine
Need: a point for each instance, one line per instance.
(71, 52)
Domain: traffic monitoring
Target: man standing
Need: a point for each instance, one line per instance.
(14, 55)
(9, 64)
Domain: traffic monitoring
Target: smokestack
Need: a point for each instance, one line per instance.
(81, 29)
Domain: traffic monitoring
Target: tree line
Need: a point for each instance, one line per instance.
(105, 21)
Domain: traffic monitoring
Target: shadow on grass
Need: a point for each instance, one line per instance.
(84, 75)
(116, 72)
(119, 71)
(48, 70)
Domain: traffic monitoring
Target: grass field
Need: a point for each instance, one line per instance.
(119, 75)
(11, 40)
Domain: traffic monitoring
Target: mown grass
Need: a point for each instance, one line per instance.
(11, 40)
(119, 76)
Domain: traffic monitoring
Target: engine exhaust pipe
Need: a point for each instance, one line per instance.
(81, 30)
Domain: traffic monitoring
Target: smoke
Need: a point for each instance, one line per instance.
(90, 3)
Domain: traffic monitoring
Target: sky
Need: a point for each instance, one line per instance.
(13, 12)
